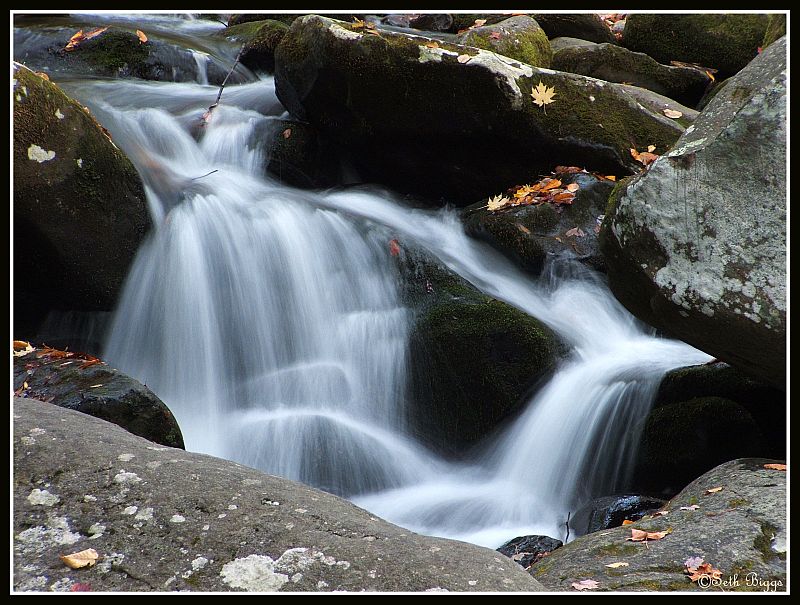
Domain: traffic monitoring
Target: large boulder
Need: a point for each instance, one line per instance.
(474, 359)
(532, 235)
(476, 129)
(723, 42)
(84, 383)
(80, 211)
(518, 38)
(696, 245)
(526, 550)
(258, 41)
(611, 511)
(739, 528)
(586, 26)
(162, 519)
(616, 64)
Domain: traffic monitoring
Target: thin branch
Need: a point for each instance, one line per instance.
(213, 106)
(567, 524)
(200, 177)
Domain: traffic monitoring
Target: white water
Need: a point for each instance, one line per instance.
(269, 320)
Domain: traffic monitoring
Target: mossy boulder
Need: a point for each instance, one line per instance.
(299, 155)
(476, 128)
(616, 64)
(463, 21)
(586, 26)
(80, 211)
(726, 42)
(518, 38)
(258, 40)
(776, 28)
(696, 245)
(532, 235)
(78, 382)
(680, 441)
(740, 530)
(474, 358)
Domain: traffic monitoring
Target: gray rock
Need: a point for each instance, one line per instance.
(518, 38)
(85, 384)
(740, 530)
(80, 211)
(616, 64)
(257, 40)
(696, 245)
(167, 520)
(562, 42)
(476, 129)
(586, 26)
(723, 42)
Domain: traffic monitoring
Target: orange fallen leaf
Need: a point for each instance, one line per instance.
(141, 36)
(432, 44)
(21, 344)
(640, 535)
(775, 467)
(84, 558)
(573, 187)
(645, 157)
(703, 570)
(627, 522)
(42, 75)
(713, 490)
(672, 113)
(76, 39)
(548, 184)
(90, 363)
(566, 170)
(479, 22)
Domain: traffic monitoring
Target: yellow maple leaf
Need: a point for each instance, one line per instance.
(542, 94)
(497, 202)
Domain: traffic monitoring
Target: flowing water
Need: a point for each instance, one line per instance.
(270, 321)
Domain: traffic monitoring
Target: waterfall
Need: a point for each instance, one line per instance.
(270, 322)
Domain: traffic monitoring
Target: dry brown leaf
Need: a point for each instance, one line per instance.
(610, 177)
(463, 58)
(672, 113)
(575, 232)
(524, 229)
(645, 157)
(357, 23)
(567, 170)
(287, 133)
(564, 198)
(703, 570)
(617, 565)
(495, 35)
(90, 363)
(713, 490)
(585, 585)
(573, 187)
(651, 148)
(543, 94)
(547, 184)
(661, 513)
(639, 535)
(84, 558)
(775, 467)
(21, 344)
(141, 36)
(76, 39)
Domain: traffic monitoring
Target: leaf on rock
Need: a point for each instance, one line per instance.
(464, 58)
(575, 232)
(573, 187)
(640, 535)
(84, 558)
(543, 94)
(287, 133)
(645, 157)
(704, 570)
(141, 36)
(775, 467)
(497, 202)
(76, 39)
(495, 35)
(394, 247)
(585, 585)
(627, 522)
(713, 490)
(479, 23)
(617, 565)
(673, 113)
(661, 513)
(22, 348)
(357, 23)
(693, 562)
(432, 44)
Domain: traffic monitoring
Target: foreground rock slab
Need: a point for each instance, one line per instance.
(162, 519)
(696, 245)
(739, 529)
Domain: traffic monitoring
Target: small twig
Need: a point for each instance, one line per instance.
(200, 177)
(567, 524)
(213, 106)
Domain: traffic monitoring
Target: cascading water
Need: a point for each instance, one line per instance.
(269, 320)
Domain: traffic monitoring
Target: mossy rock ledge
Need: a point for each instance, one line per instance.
(740, 530)
(696, 245)
(258, 40)
(80, 211)
(518, 38)
(451, 121)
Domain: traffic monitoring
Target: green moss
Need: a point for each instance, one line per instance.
(259, 40)
(763, 543)
(114, 51)
(734, 502)
(614, 549)
(520, 38)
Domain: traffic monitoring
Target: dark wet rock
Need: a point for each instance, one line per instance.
(365, 91)
(696, 245)
(300, 156)
(586, 26)
(258, 40)
(162, 519)
(435, 22)
(463, 21)
(658, 103)
(475, 359)
(740, 530)
(518, 38)
(723, 42)
(532, 235)
(79, 206)
(562, 42)
(527, 550)
(80, 383)
(610, 511)
(616, 64)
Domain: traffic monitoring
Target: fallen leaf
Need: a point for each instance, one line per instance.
(617, 565)
(573, 187)
(495, 35)
(141, 36)
(703, 570)
(287, 133)
(672, 113)
(524, 229)
(76, 39)
(651, 148)
(22, 348)
(710, 75)
(639, 535)
(394, 247)
(713, 490)
(357, 23)
(661, 513)
(585, 585)
(497, 202)
(564, 198)
(610, 177)
(84, 558)
(463, 58)
(692, 507)
(775, 467)
(432, 44)
(479, 22)
(543, 94)
(575, 232)
(42, 75)
(645, 157)
(627, 522)
(90, 363)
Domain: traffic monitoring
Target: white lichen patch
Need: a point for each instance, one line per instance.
(683, 149)
(297, 577)
(42, 497)
(62, 585)
(289, 526)
(199, 563)
(36, 431)
(321, 584)
(56, 532)
(125, 457)
(146, 514)
(300, 510)
(232, 507)
(59, 115)
(153, 465)
(79, 162)
(251, 482)
(206, 527)
(37, 154)
(125, 478)
(177, 519)
(27, 440)
(433, 55)
(255, 573)
(89, 498)
(35, 584)
(436, 589)
(157, 449)
(130, 510)
(472, 582)
(107, 562)
(96, 530)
